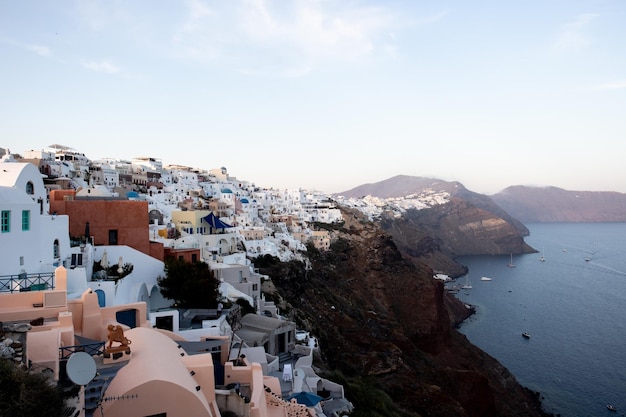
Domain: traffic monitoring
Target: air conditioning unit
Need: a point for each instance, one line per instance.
(55, 298)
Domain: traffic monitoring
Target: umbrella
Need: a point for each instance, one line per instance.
(306, 398)
(104, 262)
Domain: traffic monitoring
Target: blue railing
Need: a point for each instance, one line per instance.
(27, 282)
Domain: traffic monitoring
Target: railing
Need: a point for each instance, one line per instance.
(27, 282)
(95, 348)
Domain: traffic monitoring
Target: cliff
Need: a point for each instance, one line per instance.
(552, 204)
(378, 316)
(468, 224)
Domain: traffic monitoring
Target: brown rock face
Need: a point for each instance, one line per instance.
(461, 227)
(377, 315)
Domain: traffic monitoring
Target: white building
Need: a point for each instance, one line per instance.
(32, 241)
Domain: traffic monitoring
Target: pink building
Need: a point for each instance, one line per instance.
(163, 375)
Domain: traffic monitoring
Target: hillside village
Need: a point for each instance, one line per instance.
(84, 245)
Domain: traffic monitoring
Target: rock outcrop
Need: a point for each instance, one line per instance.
(378, 316)
(467, 224)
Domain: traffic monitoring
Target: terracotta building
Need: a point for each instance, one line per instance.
(107, 221)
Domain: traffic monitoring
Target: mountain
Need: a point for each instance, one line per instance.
(382, 321)
(552, 204)
(466, 223)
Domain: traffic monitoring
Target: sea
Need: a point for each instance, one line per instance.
(573, 305)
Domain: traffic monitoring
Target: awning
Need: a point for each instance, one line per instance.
(215, 222)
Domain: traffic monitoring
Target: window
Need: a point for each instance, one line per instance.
(77, 259)
(6, 221)
(112, 237)
(30, 189)
(56, 249)
(25, 220)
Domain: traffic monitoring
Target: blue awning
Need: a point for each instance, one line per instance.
(215, 222)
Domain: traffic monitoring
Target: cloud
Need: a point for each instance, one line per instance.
(572, 37)
(38, 49)
(284, 37)
(106, 67)
(432, 18)
(615, 85)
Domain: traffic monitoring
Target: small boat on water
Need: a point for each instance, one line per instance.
(526, 335)
(485, 279)
(511, 264)
(611, 407)
(468, 284)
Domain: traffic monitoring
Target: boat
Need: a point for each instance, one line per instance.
(526, 335)
(467, 285)
(611, 407)
(542, 258)
(511, 264)
(485, 279)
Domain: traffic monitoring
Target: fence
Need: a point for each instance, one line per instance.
(27, 282)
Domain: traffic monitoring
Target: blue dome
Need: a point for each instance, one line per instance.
(244, 200)
(132, 194)
(226, 191)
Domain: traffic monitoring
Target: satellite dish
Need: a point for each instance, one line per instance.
(81, 368)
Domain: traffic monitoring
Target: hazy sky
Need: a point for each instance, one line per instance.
(326, 95)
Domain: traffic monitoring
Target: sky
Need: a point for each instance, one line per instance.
(326, 95)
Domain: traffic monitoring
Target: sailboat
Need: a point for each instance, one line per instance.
(542, 258)
(511, 264)
(467, 284)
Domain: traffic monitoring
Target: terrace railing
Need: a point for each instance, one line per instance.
(93, 349)
(26, 282)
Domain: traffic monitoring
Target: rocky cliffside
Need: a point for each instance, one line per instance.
(552, 204)
(378, 316)
(468, 224)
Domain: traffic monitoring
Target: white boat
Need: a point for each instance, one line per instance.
(511, 264)
(526, 335)
(485, 279)
(467, 284)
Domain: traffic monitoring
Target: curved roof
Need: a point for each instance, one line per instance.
(244, 200)
(156, 360)
(227, 191)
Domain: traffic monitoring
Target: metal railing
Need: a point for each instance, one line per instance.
(27, 282)
(95, 348)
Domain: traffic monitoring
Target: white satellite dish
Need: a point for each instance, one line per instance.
(81, 368)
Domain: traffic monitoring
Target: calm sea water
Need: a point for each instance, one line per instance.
(574, 307)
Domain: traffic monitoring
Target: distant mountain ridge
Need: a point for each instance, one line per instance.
(402, 185)
(553, 204)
